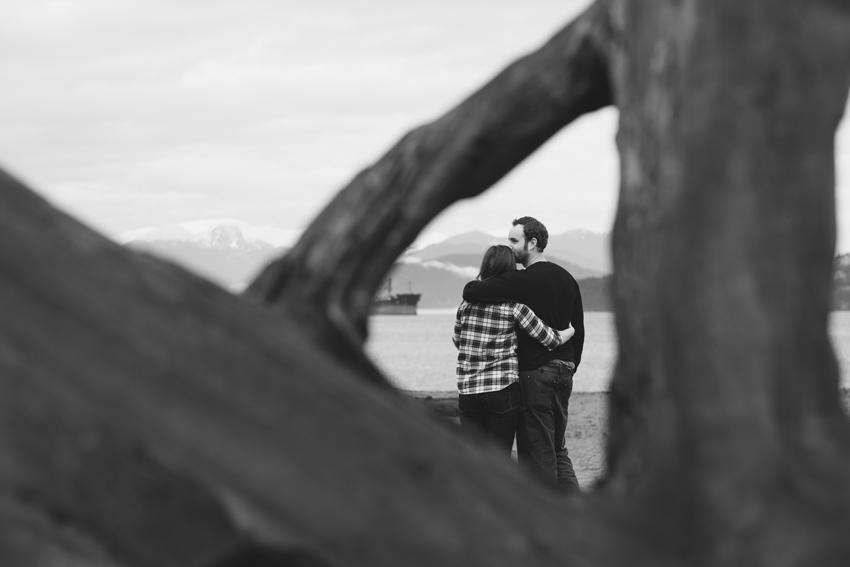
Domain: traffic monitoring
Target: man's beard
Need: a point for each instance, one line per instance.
(521, 257)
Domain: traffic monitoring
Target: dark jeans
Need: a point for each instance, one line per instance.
(542, 427)
(491, 416)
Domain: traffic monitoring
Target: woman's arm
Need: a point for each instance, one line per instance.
(531, 324)
(506, 288)
(458, 326)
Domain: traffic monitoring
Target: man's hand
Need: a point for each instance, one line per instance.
(567, 333)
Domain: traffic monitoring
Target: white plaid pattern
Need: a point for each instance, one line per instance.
(485, 336)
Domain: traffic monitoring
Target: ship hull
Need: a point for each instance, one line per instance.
(402, 304)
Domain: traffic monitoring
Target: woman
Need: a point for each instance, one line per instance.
(487, 367)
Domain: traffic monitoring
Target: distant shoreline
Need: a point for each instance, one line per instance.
(451, 395)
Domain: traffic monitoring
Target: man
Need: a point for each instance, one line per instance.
(545, 377)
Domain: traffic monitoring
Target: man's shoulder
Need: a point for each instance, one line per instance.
(504, 287)
(549, 269)
(547, 274)
(512, 278)
(486, 309)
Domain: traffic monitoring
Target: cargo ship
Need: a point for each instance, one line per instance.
(385, 303)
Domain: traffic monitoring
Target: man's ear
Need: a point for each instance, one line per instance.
(533, 243)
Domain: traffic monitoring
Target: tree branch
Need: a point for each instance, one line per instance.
(110, 358)
(333, 271)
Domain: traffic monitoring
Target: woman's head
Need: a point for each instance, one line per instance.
(497, 260)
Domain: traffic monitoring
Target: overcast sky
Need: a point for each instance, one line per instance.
(130, 114)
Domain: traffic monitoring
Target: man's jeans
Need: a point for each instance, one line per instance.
(491, 416)
(541, 431)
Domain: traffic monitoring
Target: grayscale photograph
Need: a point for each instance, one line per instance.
(424, 284)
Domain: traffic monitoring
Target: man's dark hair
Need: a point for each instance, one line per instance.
(533, 228)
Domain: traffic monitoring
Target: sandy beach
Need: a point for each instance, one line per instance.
(586, 430)
(585, 433)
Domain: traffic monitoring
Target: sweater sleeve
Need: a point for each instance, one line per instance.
(458, 326)
(578, 324)
(506, 288)
(531, 324)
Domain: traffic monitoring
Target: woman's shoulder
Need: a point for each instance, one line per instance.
(482, 308)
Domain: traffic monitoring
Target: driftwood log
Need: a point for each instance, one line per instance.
(151, 419)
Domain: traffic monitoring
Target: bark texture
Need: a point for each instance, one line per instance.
(725, 405)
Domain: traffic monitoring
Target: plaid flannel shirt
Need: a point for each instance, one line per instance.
(485, 336)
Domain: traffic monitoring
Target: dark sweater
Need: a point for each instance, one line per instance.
(554, 296)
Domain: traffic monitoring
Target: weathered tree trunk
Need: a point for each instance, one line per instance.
(726, 389)
(216, 427)
(150, 418)
(725, 399)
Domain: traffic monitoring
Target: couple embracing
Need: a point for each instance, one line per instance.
(515, 369)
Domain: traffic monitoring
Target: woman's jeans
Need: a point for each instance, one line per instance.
(542, 427)
(491, 416)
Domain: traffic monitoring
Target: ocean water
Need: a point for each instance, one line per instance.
(417, 353)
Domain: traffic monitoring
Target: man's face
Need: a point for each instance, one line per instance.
(516, 239)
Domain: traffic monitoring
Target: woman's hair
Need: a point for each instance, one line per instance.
(497, 260)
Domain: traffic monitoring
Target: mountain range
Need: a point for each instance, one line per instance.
(580, 248)
(227, 256)
(223, 254)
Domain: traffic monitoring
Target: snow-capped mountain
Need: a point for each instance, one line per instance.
(201, 229)
(222, 253)
(231, 253)
(228, 237)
